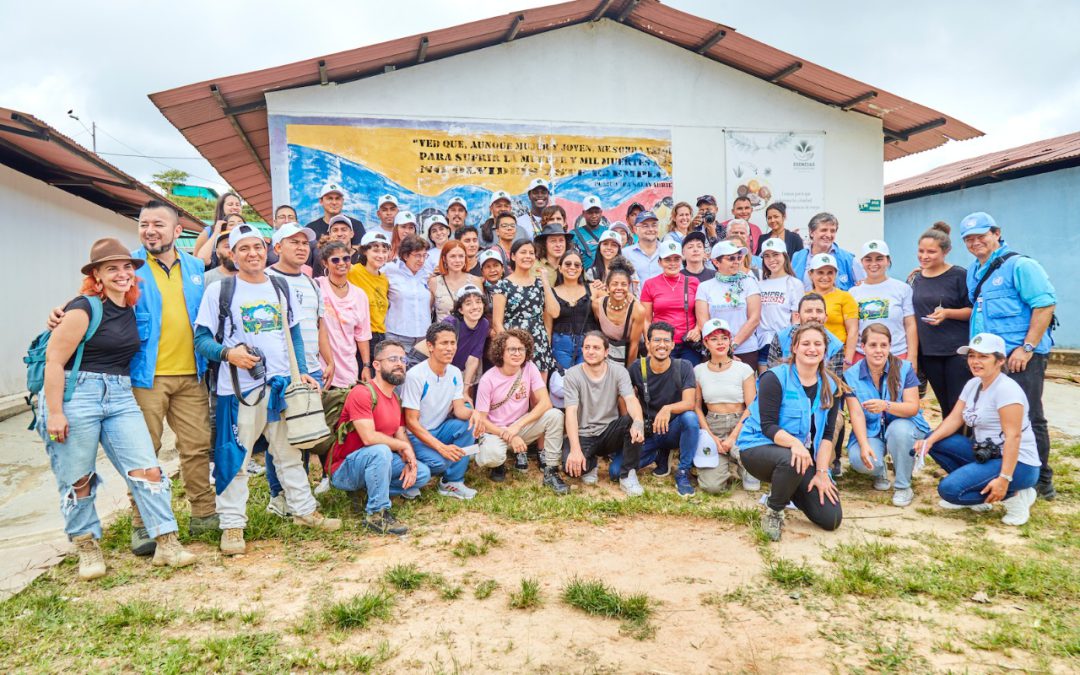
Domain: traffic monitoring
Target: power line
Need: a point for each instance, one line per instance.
(121, 154)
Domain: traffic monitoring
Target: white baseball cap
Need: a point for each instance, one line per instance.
(497, 195)
(245, 231)
(591, 202)
(558, 390)
(610, 235)
(433, 220)
(668, 248)
(387, 199)
(466, 289)
(707, 455)
(874, 246)
(725, 247)
(375, 237)
(984, 343)
(713, 325)
(331, 187)
(539, 183)
(823, 260)
(404, 218)
(340, 218)
(775, 245)
(489, 254)
(288, 230)
(459, 201)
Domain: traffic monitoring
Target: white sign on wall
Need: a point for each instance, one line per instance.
(771, 166)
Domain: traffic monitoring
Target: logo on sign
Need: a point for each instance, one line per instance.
(804, 152)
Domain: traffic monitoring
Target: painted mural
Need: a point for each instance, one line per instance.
(425, 163)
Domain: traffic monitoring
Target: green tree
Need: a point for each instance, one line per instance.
(168, 178)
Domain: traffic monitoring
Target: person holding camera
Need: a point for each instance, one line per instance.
(246, 334)
(1000, 462)
(705, 219)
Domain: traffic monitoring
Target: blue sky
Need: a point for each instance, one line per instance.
(1007, 68)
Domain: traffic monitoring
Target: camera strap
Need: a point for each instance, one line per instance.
(645, 382)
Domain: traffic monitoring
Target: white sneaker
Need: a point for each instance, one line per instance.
(1018, 507)
(630, 484)
(323, 487)
(590, 477)
(749, 483)
(978, 508)
(253, 468)
(457, 490)
(211, 473)
(410, 493)
(903, 497)
(278, 507)
(882, 483)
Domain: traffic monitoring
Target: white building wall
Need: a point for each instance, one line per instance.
(47, 234)
(606, 73)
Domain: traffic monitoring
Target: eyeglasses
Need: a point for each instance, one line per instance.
(395, 359)
(337, 260)
(515, 350)
(572, 264)
(662, 340)
(507, 225)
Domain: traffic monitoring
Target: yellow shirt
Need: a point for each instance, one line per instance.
(839, 305)
(176, 348)
(377, 289)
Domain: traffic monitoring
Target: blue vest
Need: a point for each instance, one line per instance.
(845, 267)
(796, 411)
(1001, 309)
(831, 348)
(858, 378)
(148, 314)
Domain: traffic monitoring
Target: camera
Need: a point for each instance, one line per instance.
(257, 371)
(986, 450)
(708, 217)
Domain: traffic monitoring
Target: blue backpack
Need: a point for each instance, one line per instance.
(35, 358)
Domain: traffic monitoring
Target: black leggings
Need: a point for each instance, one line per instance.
(947, 376)
(611, 441)
(772, 464)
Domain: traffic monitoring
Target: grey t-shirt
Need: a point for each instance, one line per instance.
(597, 402)
(438, 393)
(216, 274)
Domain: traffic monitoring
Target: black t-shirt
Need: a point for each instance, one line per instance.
(665, 388)
(114, 344)
(792, 241)
(704, 275)
(948, 289)
(321, 228)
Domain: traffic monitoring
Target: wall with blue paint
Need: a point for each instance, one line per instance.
(1039, 217)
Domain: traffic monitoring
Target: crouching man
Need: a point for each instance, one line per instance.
(513, 409)
(375, 454)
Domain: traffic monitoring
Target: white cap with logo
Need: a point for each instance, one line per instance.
(241, 232)
(591, 202)
(725, 247)
(489, 254)
(984, 343)
(459, 201)
(875, 246)
(539, 183)
(497, 195)
(668, 248)
(823, 260)
(374, 237)
(331, 187)
(404, 218)
(387, 199)
(775, 245)
(288, 230)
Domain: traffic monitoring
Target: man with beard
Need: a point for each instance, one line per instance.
(375, 454)
(457, 211)
(539, 194)
(227, 268)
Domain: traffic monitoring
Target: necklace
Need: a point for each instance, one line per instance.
(617, 308)
(671, 286)
(719, 367)
(342, 286)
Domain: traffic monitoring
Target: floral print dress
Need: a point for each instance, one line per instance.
(525, 310)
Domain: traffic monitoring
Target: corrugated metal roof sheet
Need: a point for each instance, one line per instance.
(225, 119)
(996, 165)
(32, 147)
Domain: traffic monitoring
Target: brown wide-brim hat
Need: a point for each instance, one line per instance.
(105, 250)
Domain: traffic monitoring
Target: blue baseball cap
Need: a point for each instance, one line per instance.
(976, 223)
(643, 216)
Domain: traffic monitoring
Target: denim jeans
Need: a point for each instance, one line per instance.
(103, 410)
(900, 437)
(454, 432)
(566, 348)
(682, 433)
(967, 477)
(376, 469)
(681, 351)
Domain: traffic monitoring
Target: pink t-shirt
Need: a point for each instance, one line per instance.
(494, 387)
(666, 295)
(347, 320)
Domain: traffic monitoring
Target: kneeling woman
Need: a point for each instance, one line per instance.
(1002, 465)
(787, 438)
(886, 391)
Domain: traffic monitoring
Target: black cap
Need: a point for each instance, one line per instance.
(696, 235)
(706, 199)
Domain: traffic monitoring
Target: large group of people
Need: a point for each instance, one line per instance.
(748, 354)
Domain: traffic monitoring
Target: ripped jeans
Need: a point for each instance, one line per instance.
(103, 410)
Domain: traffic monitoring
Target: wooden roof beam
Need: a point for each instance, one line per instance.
(906, 134)
(712, 40)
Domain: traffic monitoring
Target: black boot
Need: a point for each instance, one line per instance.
(498, 474)
(554, 481)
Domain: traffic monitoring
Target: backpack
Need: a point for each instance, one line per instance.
(336, 403)
(35, 358)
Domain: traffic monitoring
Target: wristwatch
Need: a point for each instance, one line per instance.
(734, 346)
(1028, 347)
(1005, 476)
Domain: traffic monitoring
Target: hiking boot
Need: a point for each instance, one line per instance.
(91, 562)
(498, 474)
(323, 487)
(1018, 507)
(170, 553)
(903, 497)
(663, 464)
(384, 522)
(232, 541)
(682, 483)
(318, 521)
(882, 483)
(630, 485)
(749, 483)
(772, 523)
(978, 508)
(590, 477)
(141, 543)
(521, 461)
(356, 502)
(1045, 489)
(554, 481)
(456, 489)
(200, 525)
(837, 468)
(277, 506)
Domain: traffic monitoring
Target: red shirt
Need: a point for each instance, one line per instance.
(668, 304)
(387, 416)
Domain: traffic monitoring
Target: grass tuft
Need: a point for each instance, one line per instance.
(405, 577)
(485, 588)
(359, 611)
(527, 596)
(594, 597)
(791, 575)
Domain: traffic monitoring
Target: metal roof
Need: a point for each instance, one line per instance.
(32, 147)
(1031, 158)
(225, 119)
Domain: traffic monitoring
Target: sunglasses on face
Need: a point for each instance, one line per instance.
(572, 264)
(337, 260)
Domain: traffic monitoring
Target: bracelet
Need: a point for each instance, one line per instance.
(224, 356)
(825, 471)
(1005, 476)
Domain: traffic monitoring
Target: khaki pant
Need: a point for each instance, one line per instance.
(550, 426)
(184, 402)
(717, 479)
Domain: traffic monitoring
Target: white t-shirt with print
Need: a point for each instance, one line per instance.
(257, 314)
(984, 418)
(727, 301)
(308, 309)
(885, 303)
(779, 300)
